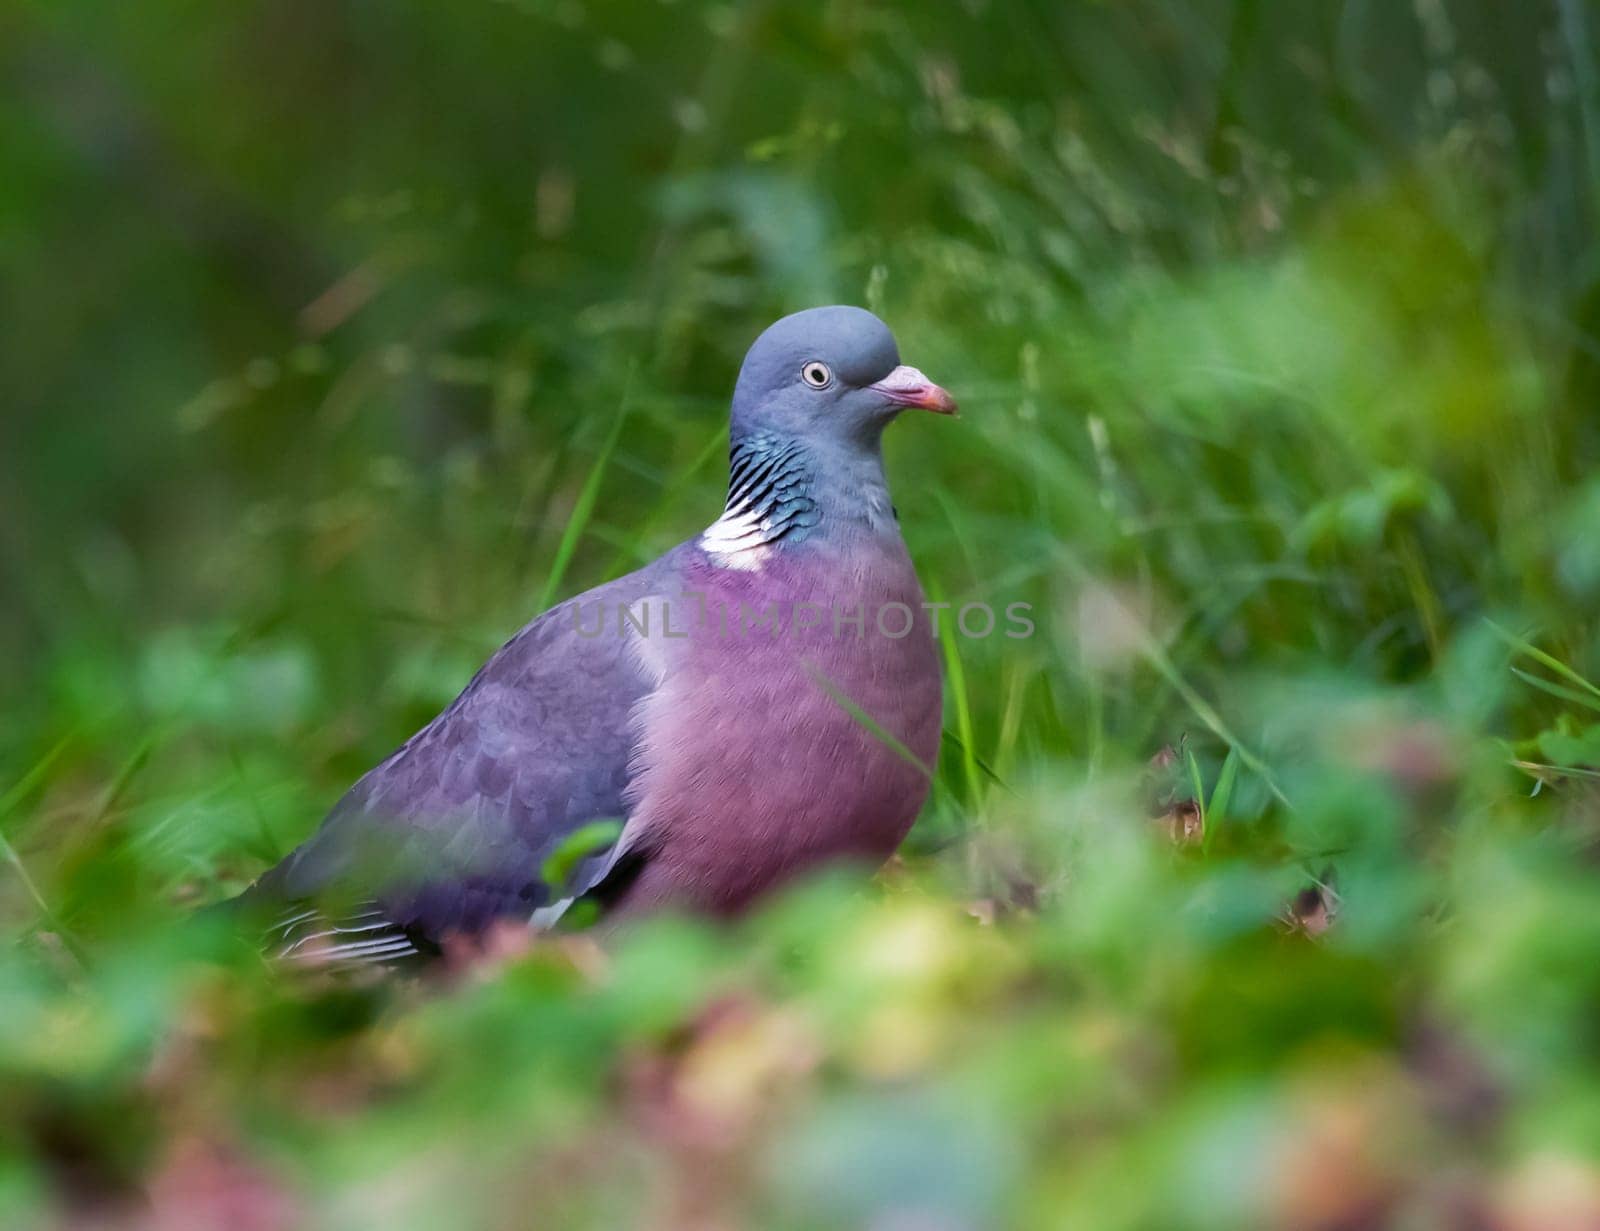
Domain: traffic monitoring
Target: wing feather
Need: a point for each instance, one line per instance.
(450, 832)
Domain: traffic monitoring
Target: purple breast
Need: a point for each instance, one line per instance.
(798, 725)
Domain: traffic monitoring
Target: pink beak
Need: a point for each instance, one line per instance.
(905, 386)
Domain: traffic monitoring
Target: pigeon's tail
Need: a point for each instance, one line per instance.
(362, 936)
(303, 933)
(231, 921)
(241, 913)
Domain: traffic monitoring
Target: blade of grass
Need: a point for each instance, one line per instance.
(33, 777)
(8, 804)
(956, 688)
(1539, 656)
(1555, 690)
(1011, 715)
(1580, 48)
(631, 551)
(265, 846)
(131, 768)
(1157, 658)
(1151, 651)
(1221, 796)
(1535, 768)
(1197, 785)
(584, 508)
(983, 765)
(8, 852)
(868, 721)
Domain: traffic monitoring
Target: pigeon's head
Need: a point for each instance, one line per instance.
(829, 373)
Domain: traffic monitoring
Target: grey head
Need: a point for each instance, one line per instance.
(829, 374)
(813, 397)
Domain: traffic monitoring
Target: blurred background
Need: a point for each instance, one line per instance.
(1258, 889)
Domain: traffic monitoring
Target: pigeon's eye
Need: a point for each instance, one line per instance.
(816, 374)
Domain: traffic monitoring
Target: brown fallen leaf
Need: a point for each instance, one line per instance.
(1312, 911)
(1182, 823)
(1342, 1166)
(1177, 815)
(206, 1185)
(707, 1099)
(1549, 1192)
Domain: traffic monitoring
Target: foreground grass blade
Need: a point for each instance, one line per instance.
(1221, 797)
(869, 722)
(1548, 660)
(583, 509)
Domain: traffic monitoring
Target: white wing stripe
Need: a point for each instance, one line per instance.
(389, 946)
(381, 926)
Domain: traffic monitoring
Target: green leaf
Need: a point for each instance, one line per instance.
(1569, 750)
(582, 510)
(1221, 795)
(577, 846)
(1548, 660)
(1556, 690)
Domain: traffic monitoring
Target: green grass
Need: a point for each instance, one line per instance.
(339, 341)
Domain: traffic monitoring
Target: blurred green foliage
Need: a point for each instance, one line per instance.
(339, 336)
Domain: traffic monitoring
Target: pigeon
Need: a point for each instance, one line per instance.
(762, 700)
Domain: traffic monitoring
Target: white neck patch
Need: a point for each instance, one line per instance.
(738, 539)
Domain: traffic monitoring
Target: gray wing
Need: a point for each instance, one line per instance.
(451, 832)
